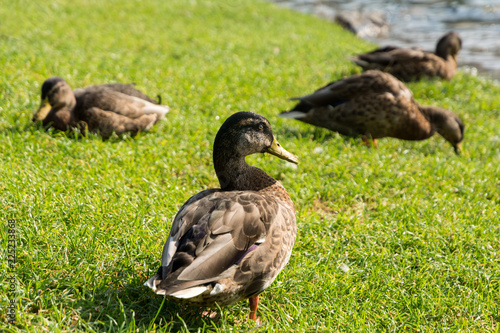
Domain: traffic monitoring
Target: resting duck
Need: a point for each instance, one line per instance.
(415, 64)
(229, 244)
(103, 109)
(376, 105)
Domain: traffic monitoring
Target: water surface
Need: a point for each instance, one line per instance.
(422, 22)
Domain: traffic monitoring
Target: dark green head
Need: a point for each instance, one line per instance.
(245, 133)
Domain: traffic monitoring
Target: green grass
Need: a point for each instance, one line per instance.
(417, 226)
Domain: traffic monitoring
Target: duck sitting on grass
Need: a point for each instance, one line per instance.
(414, 63)
(102, 109)
(229, 244)
(376, 105)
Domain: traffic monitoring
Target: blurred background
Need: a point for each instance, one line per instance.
(420, 23)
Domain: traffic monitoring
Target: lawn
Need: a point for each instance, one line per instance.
(400, 238)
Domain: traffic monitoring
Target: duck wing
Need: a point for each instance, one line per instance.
(371, 82)
(106, 122)
(127, 89)
(114, 101)
(391, 56)
(214, 236)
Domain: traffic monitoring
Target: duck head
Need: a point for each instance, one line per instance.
(449, 45)
(242, 134)
(56, 95)
(448, 125)
(245, 133)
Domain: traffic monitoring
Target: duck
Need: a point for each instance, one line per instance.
(228, 244)
(103, 109)
(414, 63)
(375, 105)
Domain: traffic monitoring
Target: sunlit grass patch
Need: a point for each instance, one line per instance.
(400, 238)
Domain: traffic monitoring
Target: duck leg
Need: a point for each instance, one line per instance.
(254, 303)
(369, 141)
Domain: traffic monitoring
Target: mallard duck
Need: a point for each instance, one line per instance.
(105, 109)
(414, 64)
(229, 244)
(376, 105)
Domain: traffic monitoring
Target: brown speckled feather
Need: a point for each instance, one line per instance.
(414, 63)
(103, 109)
(127, 89)
(375, 105)
(215, 232)
(229, 244)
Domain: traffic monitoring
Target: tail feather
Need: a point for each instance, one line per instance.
(187, 292)
(190, 292)
(150, 283)
(159, 110)
(292, 114)
(360, 62)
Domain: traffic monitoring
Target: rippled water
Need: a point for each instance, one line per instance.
(422, 22)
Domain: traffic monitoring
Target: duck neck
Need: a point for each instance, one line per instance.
(451, 60)
(67, 105)
(434, 115)
(444, 51)
(63, 98)
(62, 115)
(235, 174)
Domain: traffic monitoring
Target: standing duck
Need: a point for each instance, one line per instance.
(103, 109)
(376, 105)
(229, 244)
(414, 63)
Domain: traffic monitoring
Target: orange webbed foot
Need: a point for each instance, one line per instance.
(254, 303)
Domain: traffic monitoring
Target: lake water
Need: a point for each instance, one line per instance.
(422, 22)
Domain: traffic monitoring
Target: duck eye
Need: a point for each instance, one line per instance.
(261, 127)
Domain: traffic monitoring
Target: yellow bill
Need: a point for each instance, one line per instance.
(458, 148)
(42, 111)
(277, 150)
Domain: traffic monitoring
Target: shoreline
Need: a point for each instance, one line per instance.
(409, 25)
